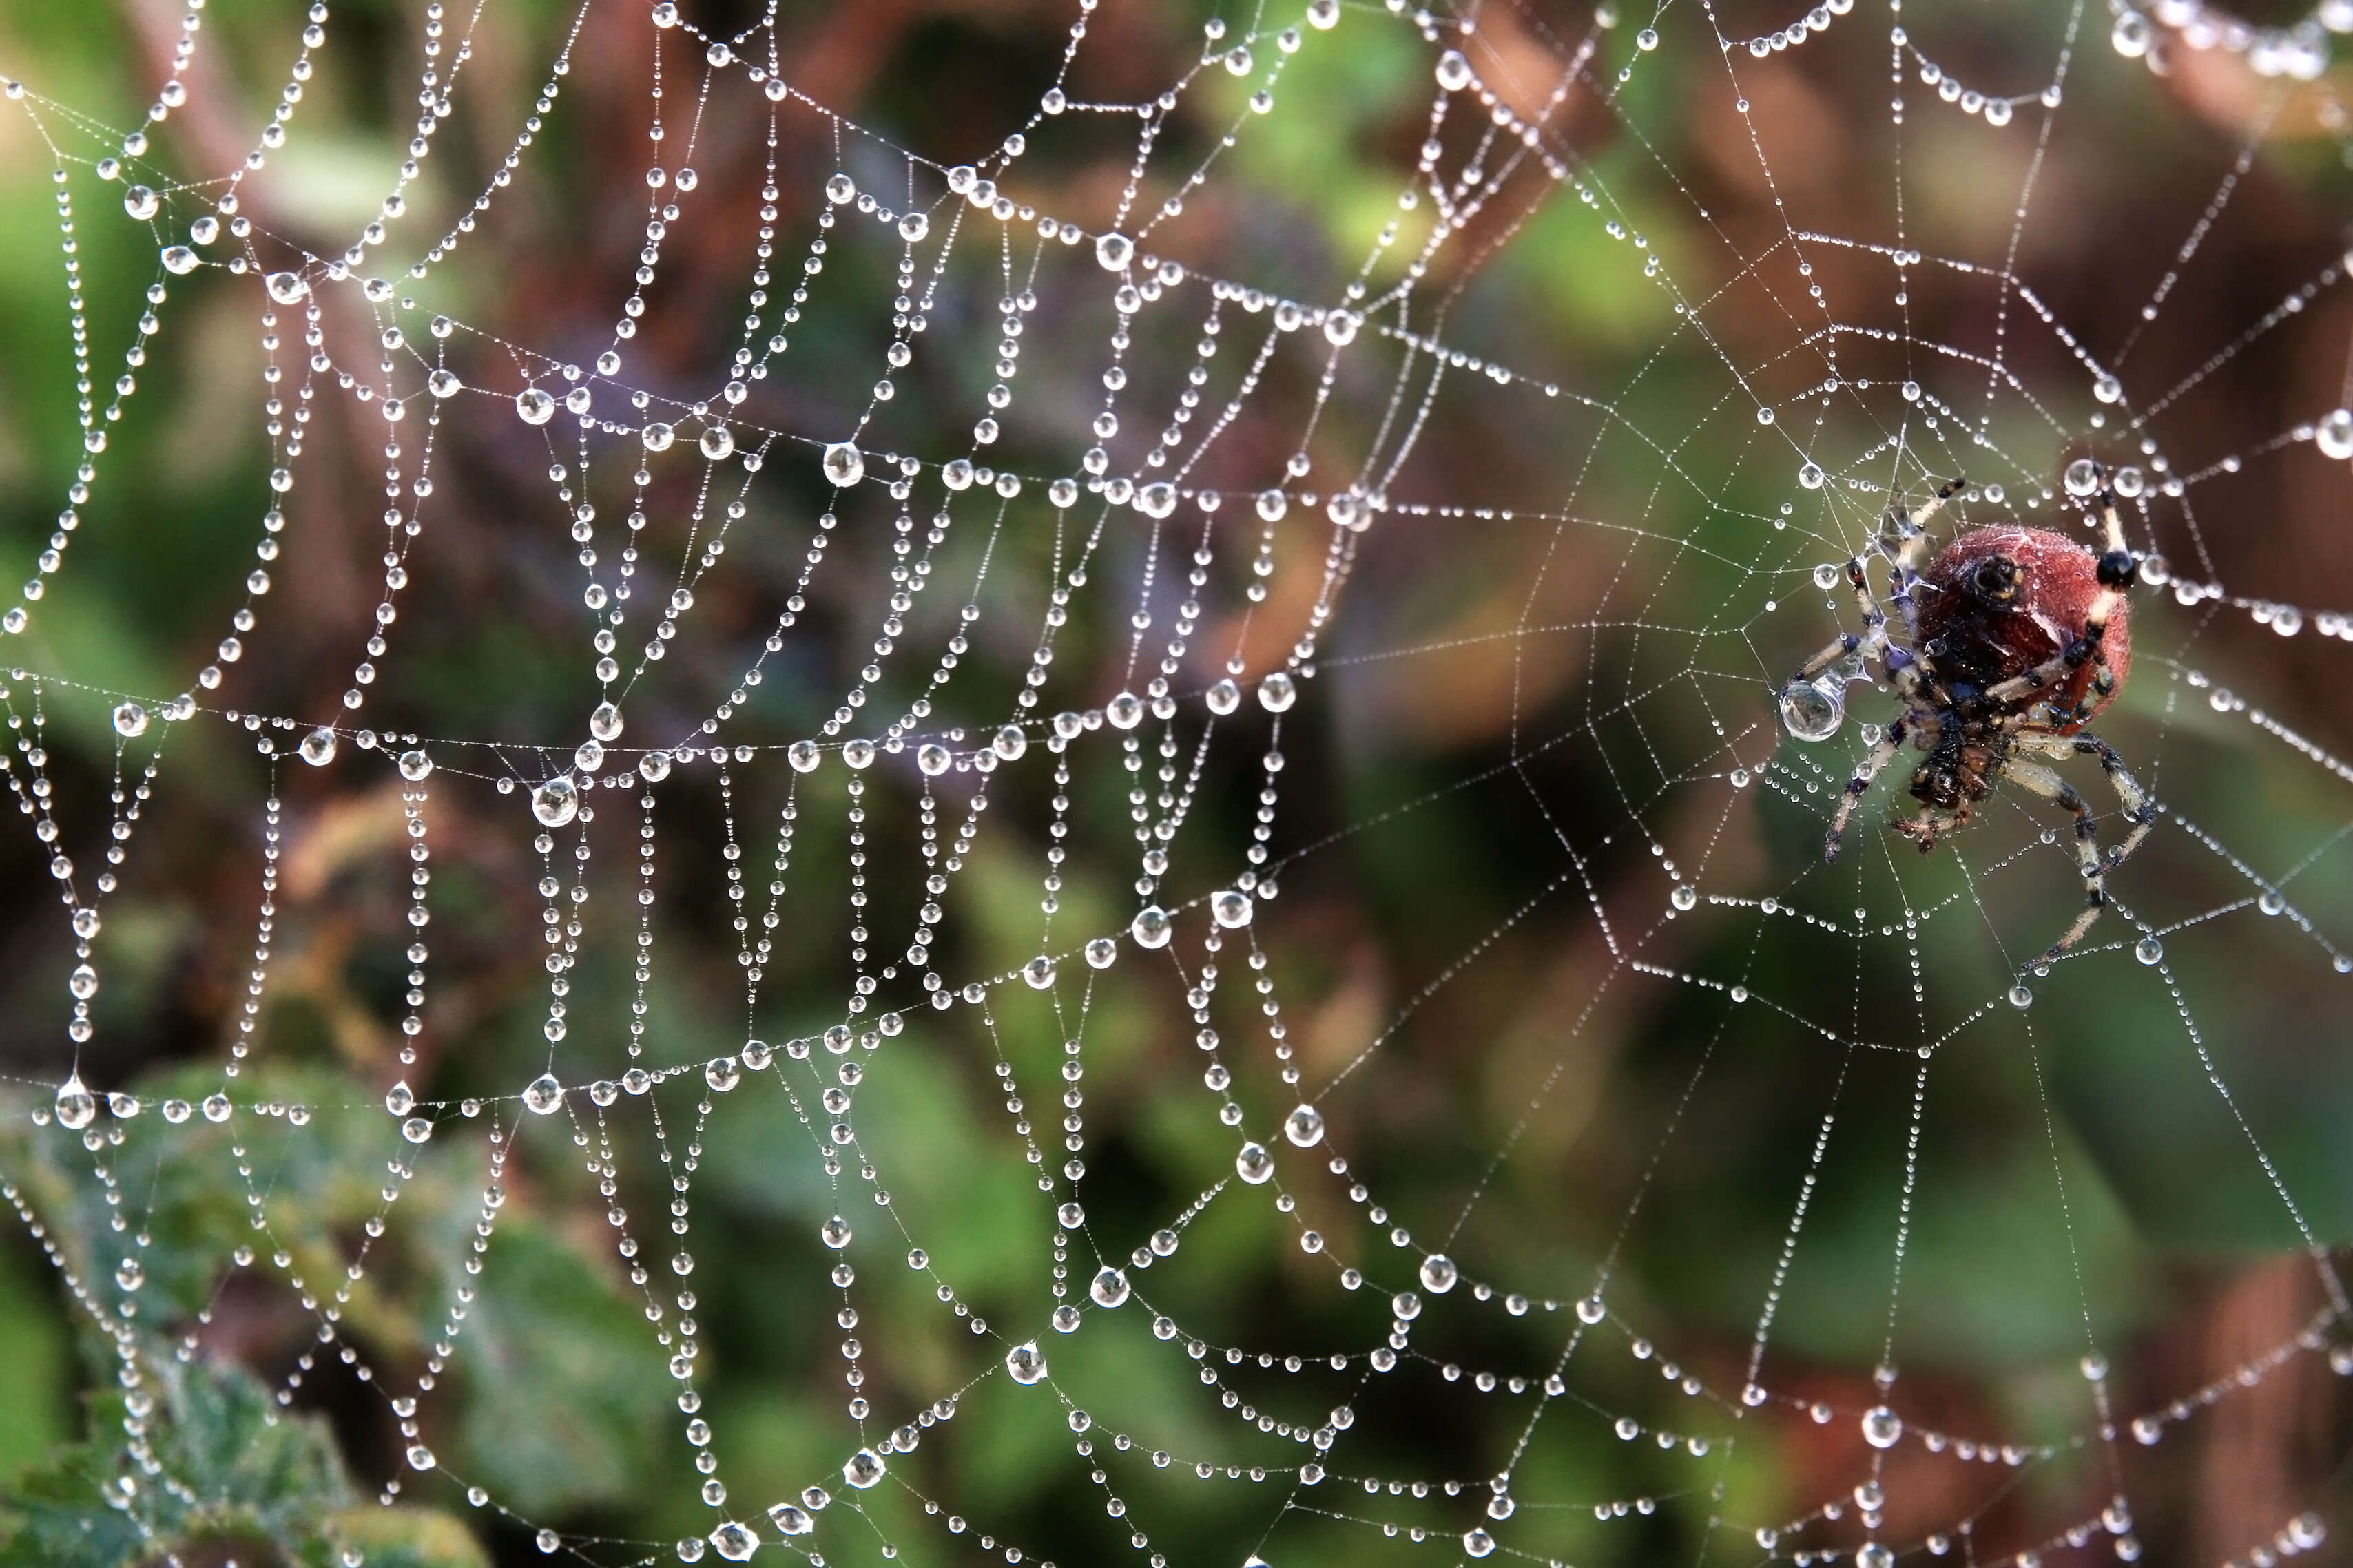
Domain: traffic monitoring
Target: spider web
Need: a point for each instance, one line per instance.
(1291, 1006)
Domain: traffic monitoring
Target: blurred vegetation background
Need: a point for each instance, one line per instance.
(1516, 726)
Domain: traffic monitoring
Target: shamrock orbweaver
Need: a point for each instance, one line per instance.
(2006, 645)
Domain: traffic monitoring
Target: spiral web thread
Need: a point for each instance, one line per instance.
(1704, 611)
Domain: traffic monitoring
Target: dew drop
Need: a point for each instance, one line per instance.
(1439, 1274)
(1152, 927)
(130, 721)
(658, 436)
(2020, 996)
(865, 1469)
(1113, 251)
(791, 1518)
(1277, 693)
(1810, 474)
(1304, 1126)
(1453, 71)
(1026, 1363)
(557, 802)
(179, 261)
(543, 1094)
(1813, 710)
(717, 443)
(1230, 908)
(417, 1130)
(1109, 1288)
(2149, 950)
(1271, 505)
(1881, 1426)
(77, 1107)
(844, 464)
(286, 287)
(803, 755)
(536, 405)
(1038, 972)
(2082, 477)
(1224, 698)
(141, 203)
(654, 766)
(1253, 1163)
(318, 747)
(1101, 952)
(735, 1542)
(913, 226)
(2335, 434)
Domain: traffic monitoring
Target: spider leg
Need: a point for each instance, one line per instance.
(2088, 858)
(2140, 809)
(2115, 572)
(1883, 752)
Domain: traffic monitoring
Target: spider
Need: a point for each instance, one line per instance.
(2011, 641)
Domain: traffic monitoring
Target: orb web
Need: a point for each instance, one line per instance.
(1148, 731)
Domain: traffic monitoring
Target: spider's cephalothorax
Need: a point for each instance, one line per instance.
(2009, 643)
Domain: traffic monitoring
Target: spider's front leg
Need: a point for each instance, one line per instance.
(1883, 752)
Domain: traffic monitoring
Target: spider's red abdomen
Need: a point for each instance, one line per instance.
(1998, 601)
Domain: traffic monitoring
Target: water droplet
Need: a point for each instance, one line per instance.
(791, 1518)
(141, 203)
(1026, 1363)
(1810, 474)
(1152, 927)
(543, 1094)
(1478, 1542)
(1881, 1426)
(1684, 896)
(913, 226)
(286, 287)
(654, 766)
(420, 1457)
(1230, 908)
(1873, 1554)
(536, 405)
(1453, 71)
(1156, 500)
(1124, 711)
(444, 383)
(1100, 952)
(2020, 996)
(840, 189)
(557, 802)
(216, 1108)
(865, 1469)
(1271, 505)
(802, 755)
(77, 1107)
(735, 1542)
(1109, 1288)
(179, 261)
(2272, 902)
(2130, 35)
(1813, 710)
(2081, 477)
(1253, 1163)
(2108, 389)
(657, 437)
(129, 1274)
(1340, 327)
(834, 1232)
(1439, 1274)
(1223, 698)
(417, 1130)
(1113, 251)
(716, 443)
(415, 767)
(2149, 950)
(858, 754)
(844, 464)
(1038, 972)
(934, 759)
(1304, 1126)
(130, 721)
(1276, 693)
(722, 1074)
(1589, 1309)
